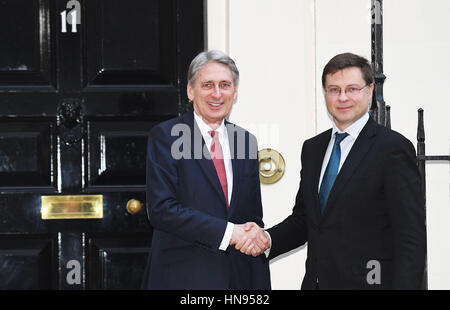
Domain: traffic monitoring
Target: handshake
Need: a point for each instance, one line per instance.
(250, 239)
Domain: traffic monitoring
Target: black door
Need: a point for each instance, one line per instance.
(81, 84)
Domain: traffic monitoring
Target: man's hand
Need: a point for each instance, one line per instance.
(250, 239)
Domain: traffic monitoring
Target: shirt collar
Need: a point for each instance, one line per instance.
(205, 129)
(354, 129)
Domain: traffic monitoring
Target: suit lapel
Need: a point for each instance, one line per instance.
(359, 150)
(200, 154)
(235, 163)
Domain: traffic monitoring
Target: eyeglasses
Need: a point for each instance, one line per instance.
(336, 91)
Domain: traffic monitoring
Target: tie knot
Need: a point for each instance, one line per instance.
(213, 134)
(340, 137)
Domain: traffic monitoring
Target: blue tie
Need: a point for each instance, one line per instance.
(331, 171)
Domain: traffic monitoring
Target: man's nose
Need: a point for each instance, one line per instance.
(342, 95)
(216, 92)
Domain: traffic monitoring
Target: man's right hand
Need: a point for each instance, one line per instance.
(250, 239)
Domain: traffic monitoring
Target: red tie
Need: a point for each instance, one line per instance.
(217, 157)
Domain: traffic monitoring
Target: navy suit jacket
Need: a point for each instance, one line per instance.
(372, 232)
(187, 209)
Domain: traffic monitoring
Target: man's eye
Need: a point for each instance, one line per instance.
(352, 89)
(207, 85)
(225, 85)
(334, 90)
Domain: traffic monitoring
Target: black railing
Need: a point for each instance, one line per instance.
(421, 161)
(378, 107)
(421, 155)
(380, 112)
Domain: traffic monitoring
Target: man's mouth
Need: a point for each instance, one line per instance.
(215, 104)
(344, 108)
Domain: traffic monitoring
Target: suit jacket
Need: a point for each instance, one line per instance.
(187, 209)
(373, 226)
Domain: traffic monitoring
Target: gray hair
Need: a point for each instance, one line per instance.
(216, 56)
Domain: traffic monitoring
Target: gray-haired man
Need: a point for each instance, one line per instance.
(197, 204)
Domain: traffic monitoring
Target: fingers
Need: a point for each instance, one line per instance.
(263, 239)
(249, 225)
(251, 248)
(241, 243)
(261, 242)
(250, 239)
(247, 247)
(241, 232)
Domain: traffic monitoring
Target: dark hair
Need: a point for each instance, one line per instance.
(347, 60)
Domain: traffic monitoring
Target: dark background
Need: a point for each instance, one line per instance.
(75, 110)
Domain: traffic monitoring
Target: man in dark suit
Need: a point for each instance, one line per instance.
(360, 205)
(202, 184)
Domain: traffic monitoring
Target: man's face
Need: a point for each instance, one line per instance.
(347, 108)
(213, 93)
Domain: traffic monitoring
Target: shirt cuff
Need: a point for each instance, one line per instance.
(227, 237)
(267, 252)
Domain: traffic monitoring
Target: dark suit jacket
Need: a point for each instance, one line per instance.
(375, 211)
(187, 210)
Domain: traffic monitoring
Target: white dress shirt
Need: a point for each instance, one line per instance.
(346, 145)
(223, 139)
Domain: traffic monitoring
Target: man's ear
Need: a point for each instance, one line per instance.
(370, 90)
(190, 92)
(235, 96)
(371, 87)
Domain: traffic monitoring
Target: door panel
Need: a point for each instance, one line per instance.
(117, 153)
(75, 111)
(117, 261)
(31, 262)
(136, 49)
(27, 154)
(26, 62)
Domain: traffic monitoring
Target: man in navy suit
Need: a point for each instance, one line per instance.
(360, 205)
(202, 185)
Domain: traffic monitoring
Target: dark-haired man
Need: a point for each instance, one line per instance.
(360, 204)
